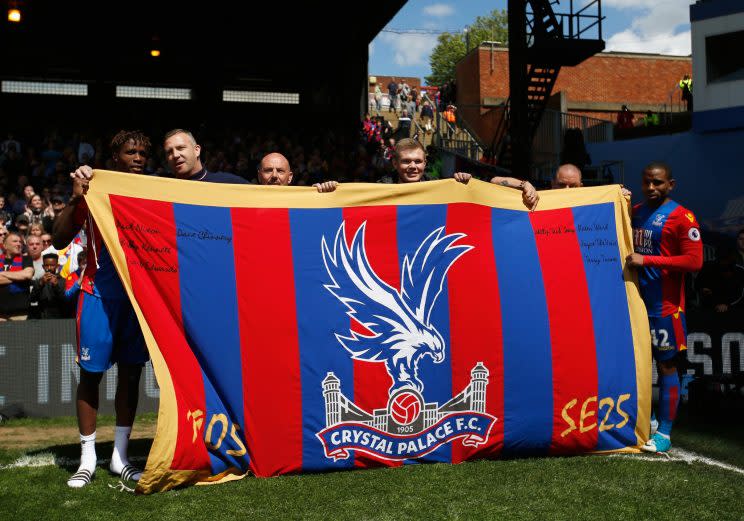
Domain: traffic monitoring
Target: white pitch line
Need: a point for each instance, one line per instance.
(39, 460)
(677, 454)
(47, 459)
(691, 457)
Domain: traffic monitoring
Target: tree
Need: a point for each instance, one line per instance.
(450, 47)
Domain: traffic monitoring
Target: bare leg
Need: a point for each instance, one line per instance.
(87, 412)
(87, 401)
(127, 394)
(125, 403)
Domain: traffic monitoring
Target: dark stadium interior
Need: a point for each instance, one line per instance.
(298, 47)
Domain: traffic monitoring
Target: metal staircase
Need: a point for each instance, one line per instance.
(553, 40)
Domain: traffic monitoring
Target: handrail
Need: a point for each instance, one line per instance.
(573, 29)
(419, 132)
(465, 126)
(447, 138)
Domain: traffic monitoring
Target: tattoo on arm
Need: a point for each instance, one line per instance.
(504, 182)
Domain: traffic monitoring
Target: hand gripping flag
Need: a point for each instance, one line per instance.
(292, 331)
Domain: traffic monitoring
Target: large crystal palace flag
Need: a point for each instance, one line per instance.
(292, 331)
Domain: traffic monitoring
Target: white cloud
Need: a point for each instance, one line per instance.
(439, 10)
(668, 43)
(658, 27)
(371, 50)
(629, 4)
(410, 49)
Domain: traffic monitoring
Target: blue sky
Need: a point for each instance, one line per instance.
(654, 26)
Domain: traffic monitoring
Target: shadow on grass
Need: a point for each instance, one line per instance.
(67, 456)
(714, 428)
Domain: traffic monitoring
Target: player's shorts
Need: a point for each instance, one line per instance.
(108, 333)
(668, 336)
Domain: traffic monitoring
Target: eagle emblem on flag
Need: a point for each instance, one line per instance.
(399, 320)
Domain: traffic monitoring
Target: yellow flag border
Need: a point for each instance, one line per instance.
(160, 478)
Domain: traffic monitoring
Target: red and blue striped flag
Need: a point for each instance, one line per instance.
(292, 331)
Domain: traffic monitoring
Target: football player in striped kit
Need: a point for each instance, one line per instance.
(666, 239)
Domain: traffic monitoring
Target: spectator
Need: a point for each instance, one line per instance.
(450, 117)
(36, 229)
(48, 292)
(15, 280)
(22, 202)
(721, 282)
(46, 242)
(378, 98)
(405, 91)
(427, 115)
(686, 85)
(67, 256)
(35, 247)
(85, 152)
(651, 119)
(404, 126)
(411, 108)
(392, 95)
(21, 225)
(740, 248)
(57, 204)
(624, 118)
(9, 144)
(35, 210)
(3, 234)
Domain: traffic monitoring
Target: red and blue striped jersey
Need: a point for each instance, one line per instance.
(100, 277)
(668, 237)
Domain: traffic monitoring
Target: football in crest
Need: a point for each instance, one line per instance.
(405, 407)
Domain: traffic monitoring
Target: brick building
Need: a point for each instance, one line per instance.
(598, 87)
(385, 80)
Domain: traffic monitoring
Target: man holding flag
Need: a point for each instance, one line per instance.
(666, 238)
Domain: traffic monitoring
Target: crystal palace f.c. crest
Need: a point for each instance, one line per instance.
(401, 334)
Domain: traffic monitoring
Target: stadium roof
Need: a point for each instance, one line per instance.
(231, 42)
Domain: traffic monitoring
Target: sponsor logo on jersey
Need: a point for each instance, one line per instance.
(694, 234)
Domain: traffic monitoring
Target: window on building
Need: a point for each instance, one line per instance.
(128, 91)
(725, 61)
(45, 87)
(247, 96)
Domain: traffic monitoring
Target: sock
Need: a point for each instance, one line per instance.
(88, 462)
(668, 402)
(119, 461)
(654, 422)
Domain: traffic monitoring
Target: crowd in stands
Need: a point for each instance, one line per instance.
(719, 286)
(35, 186)
(398, 97)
